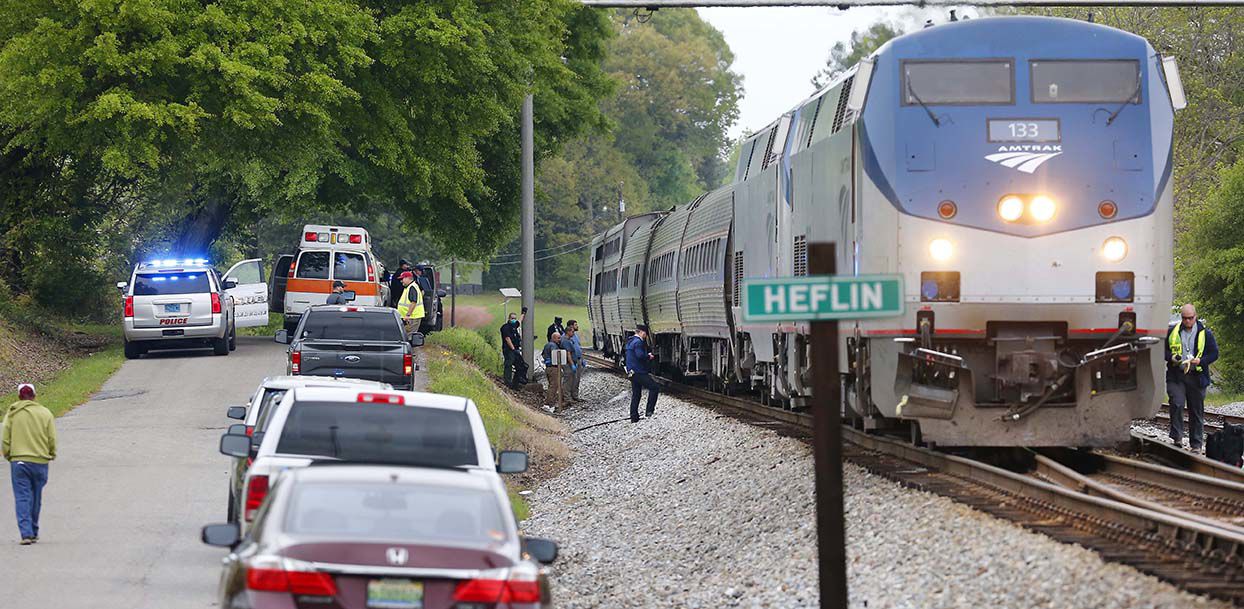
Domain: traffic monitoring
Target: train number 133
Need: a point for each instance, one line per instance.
(1019, 130)
(1023, 130)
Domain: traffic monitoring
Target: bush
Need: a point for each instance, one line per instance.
(470, 345)
(562, 296)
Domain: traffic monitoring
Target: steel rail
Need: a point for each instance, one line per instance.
(1182, 459)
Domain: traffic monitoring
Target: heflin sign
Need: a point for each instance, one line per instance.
(822, 297)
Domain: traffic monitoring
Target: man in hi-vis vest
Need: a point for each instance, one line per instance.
(1190, 349)
(410, 305)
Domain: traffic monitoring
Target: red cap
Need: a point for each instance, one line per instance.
(406, 274)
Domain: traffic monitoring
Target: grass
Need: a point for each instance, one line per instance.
(276, 321)
(545, 311)
(455, 359)
(1222, 398)
(73, 385)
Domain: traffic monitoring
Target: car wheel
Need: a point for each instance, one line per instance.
(220, 346)
(132, 351)
(233, 339)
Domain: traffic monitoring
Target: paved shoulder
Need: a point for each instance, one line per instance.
(137, 475)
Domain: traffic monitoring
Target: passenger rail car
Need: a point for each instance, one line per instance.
(1015, 171)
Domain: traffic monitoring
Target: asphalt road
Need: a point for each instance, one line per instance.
(138, 474)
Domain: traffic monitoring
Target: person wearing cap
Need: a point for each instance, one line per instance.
(638, 368)
(28, 443)
(556, 328)
(410, 306)
(338, 297)
(395, 283)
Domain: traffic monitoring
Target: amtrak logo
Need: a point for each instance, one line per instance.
(1026, 158)
(396, 556)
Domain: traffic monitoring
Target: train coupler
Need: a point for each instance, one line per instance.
(929, 383)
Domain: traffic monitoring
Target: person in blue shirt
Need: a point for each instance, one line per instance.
(572, 374)
(638, 367)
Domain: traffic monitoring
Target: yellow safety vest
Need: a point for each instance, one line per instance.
(404, 304)
(1177, 346)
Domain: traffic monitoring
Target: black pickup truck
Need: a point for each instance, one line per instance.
(366, 343)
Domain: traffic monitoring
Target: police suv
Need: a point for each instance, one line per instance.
(180, 304)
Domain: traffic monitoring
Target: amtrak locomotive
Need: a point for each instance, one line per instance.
(1015, 171)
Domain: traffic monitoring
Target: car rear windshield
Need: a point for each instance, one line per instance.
(958, 82)
(168, 284)
(352, 325)
(379, 433)
(420, 513)
(1113, 81)
(312, 265)
(349, 267)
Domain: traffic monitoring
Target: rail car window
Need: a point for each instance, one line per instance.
(958, 82)
(1074, 81)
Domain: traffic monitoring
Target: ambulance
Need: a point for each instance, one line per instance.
(327, 254)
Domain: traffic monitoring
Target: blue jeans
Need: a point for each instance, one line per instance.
(28, 480)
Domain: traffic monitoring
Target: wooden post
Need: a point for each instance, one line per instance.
(827, 443)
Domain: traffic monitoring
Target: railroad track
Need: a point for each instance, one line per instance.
(1182, 522)
(1213, 420)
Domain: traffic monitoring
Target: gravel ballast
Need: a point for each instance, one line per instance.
(694, 510)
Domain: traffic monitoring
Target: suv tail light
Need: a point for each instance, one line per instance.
(382, 398)
(256, 490)
(519, 587)
(215, 302)
(129, 306)
(273, 574)
(408, 365)
(295, 362)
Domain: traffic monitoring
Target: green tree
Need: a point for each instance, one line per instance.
(861, 44)
(215, 116)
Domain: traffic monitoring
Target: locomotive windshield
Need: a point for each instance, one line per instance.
(1074, 81)
(958, 82)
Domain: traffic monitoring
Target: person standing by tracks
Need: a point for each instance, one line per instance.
(638, 368)
(573, 373)
(1190, 349)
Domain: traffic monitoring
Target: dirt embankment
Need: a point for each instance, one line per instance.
(471, 317)
(35, 355)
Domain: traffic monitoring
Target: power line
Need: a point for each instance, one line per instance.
(542, 257)
(547, 249)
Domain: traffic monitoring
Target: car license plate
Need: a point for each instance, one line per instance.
(339, 372)
(172, 308)
(394, 594)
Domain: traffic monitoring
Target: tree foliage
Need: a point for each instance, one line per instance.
(213, 116)
(861, 44)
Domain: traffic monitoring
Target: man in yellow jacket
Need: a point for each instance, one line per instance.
(28, 443)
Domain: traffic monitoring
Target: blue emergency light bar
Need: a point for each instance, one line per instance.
(169, 262)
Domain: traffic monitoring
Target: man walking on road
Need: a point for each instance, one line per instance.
(28, 444)
(638, 362)
(573, 373)
(1190, 349)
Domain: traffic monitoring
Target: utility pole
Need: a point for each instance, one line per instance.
(529, 234)
(453, 292)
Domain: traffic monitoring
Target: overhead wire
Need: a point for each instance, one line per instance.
(546, 249)
(542, 257)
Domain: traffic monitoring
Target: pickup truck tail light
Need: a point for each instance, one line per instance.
(295, 362)
(256, 490)
(273, 574)
(215, 302)
(129, 306)
(408, 364)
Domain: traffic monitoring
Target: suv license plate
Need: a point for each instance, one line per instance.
(174, 333)
(172, 308)
(394, 594)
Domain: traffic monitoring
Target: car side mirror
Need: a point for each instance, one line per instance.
(221, 535)
(236, 412)
(543, 551)
(441, 293)
(282, 336)
(121, 285)
(350, 295)
(416, 339)
(512, 462)
(231, 283)
(237, 429)
(235, 445)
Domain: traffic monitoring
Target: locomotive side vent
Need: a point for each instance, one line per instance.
(801, 256)
(840, 116)
(738, 278)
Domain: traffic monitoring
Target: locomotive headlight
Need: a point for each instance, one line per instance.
(1010, 208)
(941, 249)
(1042, 208)
(1114, 249)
